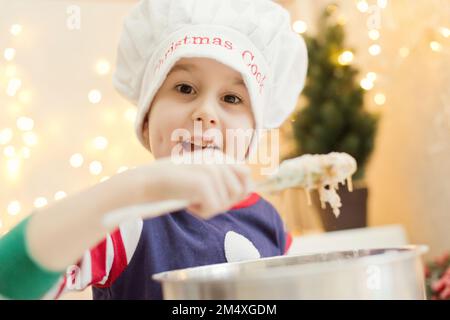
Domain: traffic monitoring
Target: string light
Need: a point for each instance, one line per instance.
(362, 6)
(102, 67)
(345, 58)
(9, 152)
(40, 202)
(25, 124)
(9, 54)
(366, 84)
(445, 32)
(59, 195)
(13, 86)
(372, 76)
(76, 160)
(100, 143)
(15, 29)
(130, 114)
(6, 136)
(14, 208)
(95, 168)
(94, 96)
(13, 168)
(30, 138)
(435, 46)
(300, 26)
(380, 99)
(374, 34)
(374, 49)
(382, 3)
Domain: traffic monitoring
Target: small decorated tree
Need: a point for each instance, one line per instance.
(334, 118)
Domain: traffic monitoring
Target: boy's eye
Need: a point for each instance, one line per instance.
(184, 88)
(229, 98)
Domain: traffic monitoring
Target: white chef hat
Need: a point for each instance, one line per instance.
(254, 37)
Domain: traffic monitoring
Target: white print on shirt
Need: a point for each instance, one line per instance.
(239, 248)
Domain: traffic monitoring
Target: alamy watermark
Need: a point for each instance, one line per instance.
(236, 146)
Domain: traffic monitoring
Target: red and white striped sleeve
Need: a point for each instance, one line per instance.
(103, 264)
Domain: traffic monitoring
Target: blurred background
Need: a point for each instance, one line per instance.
(378, 87)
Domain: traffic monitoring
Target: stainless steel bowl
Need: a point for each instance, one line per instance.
(388, 273)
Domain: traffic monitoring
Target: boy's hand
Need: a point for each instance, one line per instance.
(210, 188)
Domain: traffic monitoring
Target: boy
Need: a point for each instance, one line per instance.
(203, 69)
(219, 66)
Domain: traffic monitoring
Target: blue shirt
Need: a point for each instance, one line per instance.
(180, 240)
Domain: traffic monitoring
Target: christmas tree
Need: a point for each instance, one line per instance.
(334, 118)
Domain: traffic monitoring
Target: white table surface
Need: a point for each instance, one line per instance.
(364, 238)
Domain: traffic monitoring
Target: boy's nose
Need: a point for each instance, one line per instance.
(206, 115)
(206, 119)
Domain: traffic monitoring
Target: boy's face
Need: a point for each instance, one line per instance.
(204, 93)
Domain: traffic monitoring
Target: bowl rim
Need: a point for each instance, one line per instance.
(387, 255)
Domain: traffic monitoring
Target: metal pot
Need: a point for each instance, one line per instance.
(388, 273)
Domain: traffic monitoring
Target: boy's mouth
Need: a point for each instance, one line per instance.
(191, 146)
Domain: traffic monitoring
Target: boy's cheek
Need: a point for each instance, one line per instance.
(162, 139)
